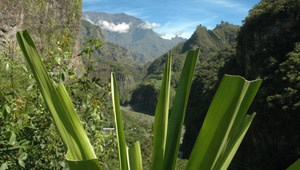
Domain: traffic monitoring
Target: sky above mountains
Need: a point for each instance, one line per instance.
(175, 17)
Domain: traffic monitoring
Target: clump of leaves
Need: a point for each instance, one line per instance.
(223, 129)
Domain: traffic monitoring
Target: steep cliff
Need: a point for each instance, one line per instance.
(49, 21)
(268, 48)
(269, 32)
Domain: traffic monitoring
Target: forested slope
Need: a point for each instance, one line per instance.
(267, 48)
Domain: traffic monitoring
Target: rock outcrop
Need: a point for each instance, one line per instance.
(48, 21)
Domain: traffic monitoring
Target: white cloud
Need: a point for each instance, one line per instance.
(87, 18)
(177, 28)
(120, 28)
(182, 34)
(183, 28)
(148, 25)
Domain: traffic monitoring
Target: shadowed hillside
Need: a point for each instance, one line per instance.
(267, 48)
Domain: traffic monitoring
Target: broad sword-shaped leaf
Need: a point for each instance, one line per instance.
(79, 149)
(123, 156)
(295, 166)
(161, 119)
(135, 157)
(177, 113)
(225, 124)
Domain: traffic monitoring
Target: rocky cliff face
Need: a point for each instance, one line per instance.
(48, 21)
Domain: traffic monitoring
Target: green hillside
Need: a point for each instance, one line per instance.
(216, 47)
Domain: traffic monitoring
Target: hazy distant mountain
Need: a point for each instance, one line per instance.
(133, 34)
(109, 51)
(111, 58)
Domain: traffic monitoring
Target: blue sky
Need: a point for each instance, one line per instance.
(177, 17)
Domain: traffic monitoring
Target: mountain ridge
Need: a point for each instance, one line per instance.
(215, 45)
(133, 34)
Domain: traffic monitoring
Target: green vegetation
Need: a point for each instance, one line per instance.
(34, 131)
(24, 126)
(295, 165)
(225, 125)
(166, 132)
(61, 107)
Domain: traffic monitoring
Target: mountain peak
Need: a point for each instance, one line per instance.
(132, 33)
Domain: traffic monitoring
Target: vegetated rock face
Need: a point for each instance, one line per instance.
(48, 21)
(268, 48)
(269, 32)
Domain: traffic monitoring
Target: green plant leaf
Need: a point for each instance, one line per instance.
(13, 139)
(22, 158)
(7, 109)
(4, 166)
(225, 124)
(234, 144)
(123, 158)
(135, 156)
(177, 113)
(60, 106)
(161, 119)
(92, 164)
(295, 166)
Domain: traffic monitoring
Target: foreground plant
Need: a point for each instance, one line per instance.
(79, 149)
(295, 165)
(223, 129)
